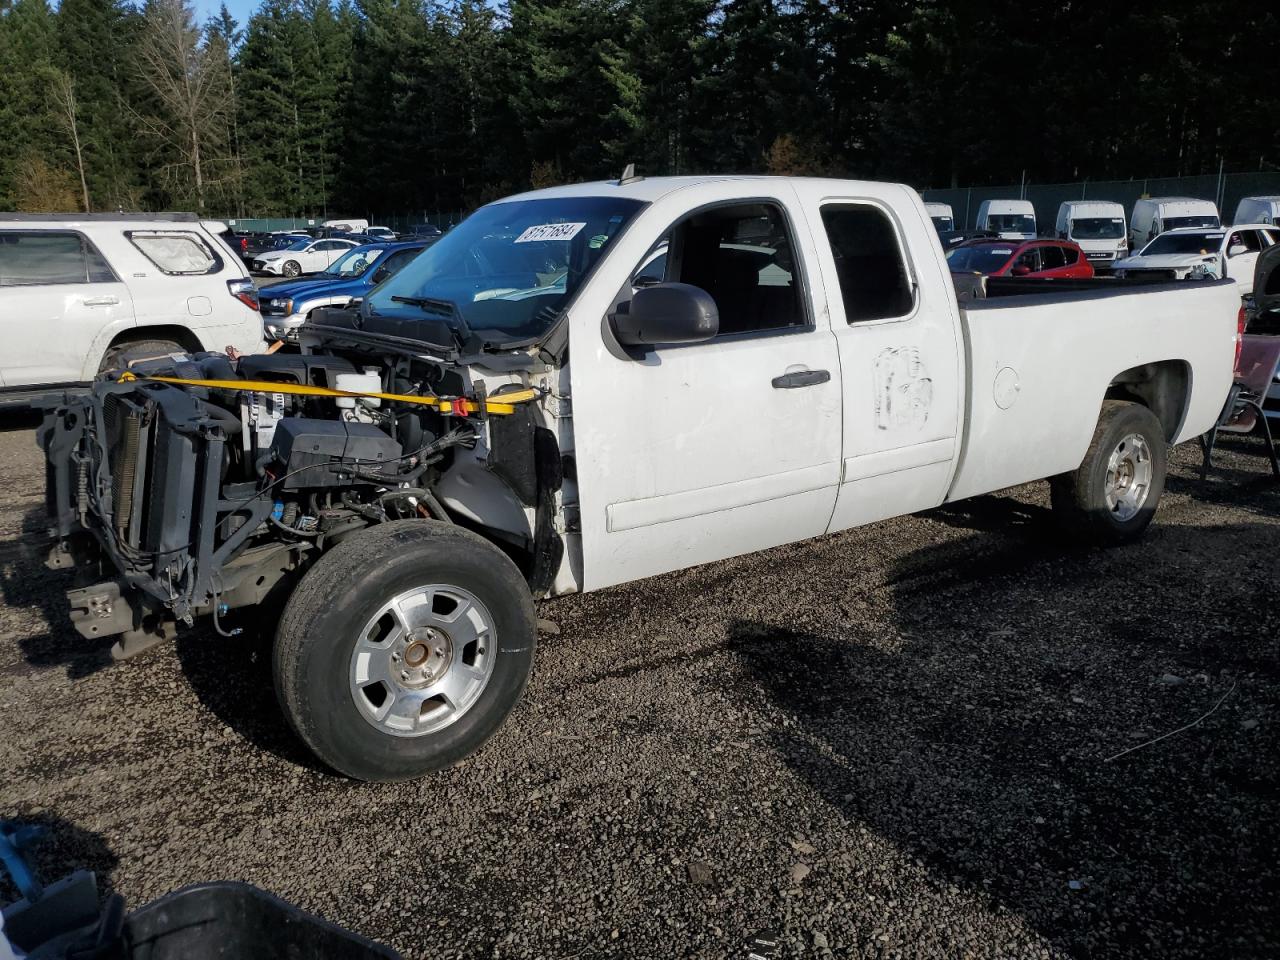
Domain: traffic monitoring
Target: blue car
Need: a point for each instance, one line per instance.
(286, 306)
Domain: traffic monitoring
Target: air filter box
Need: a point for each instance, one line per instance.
(327, 453)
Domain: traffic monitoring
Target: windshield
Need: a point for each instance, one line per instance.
(354, 263)
(1205, 243)
(1011, 223)
(943, 224)
(980, 258)
(1178, 223)
(299, 245)
(509, 266)
(1097, 228)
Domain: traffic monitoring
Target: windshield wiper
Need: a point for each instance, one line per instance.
(436, 304)
(453, 316)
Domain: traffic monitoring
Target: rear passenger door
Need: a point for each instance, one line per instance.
(57, 294)
(899, 351)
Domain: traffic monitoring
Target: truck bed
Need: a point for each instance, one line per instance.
(1037, 356)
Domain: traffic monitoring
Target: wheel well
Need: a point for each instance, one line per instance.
(182, 336)
(1163, 387)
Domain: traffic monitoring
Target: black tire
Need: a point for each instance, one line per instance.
(324, 619)
(1080, 498)
(290, 268)
(122, 354)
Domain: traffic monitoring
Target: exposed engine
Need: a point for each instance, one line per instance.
(206, 481)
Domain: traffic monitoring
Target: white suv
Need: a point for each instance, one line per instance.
(81, 293)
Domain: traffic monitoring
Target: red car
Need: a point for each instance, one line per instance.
(1020, 258)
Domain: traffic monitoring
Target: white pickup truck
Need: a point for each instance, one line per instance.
(588, 385)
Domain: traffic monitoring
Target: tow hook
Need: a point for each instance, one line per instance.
(100, 610)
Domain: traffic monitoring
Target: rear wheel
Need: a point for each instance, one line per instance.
(121, 355)
(404, 649)
(1112, 496)
(290, 268)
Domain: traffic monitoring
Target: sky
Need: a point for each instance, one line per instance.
(240, 9)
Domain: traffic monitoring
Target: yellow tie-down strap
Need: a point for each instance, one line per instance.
(503, 403)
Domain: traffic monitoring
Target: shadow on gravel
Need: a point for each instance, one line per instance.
(979, 744)
(231, 676)
(65, 849)
(25, 582)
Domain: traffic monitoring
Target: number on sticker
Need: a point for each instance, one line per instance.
(549, 231)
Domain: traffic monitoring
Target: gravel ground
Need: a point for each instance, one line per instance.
(889, 742)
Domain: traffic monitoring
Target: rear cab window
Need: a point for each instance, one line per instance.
(871, 269)
(50, 257)
(177, 253)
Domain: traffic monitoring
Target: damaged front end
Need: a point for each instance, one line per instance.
(198, 485)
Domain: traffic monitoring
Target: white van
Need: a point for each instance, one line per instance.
(1258, 210)
(347, 225)
(80, 293)
(1011, 219)
(943, 219)
(1153, 216)
(1097, 226)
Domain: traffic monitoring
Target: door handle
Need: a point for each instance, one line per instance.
(801, 378)
(107, 301)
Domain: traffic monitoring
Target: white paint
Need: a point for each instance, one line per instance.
(688, 454)
(57, 332)
(1005, 390)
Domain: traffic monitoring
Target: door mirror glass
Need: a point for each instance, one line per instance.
(666, 313)
(380, 274)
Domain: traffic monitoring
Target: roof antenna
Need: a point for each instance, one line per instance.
(629, 175)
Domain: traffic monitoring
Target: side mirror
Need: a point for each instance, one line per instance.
(380, 274)
(666, 313)
(1020, 271)
(1236, 249)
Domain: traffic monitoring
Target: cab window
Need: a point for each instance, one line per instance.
(742, 256)
(873, 277)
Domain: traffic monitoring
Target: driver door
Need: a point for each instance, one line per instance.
(695, 452)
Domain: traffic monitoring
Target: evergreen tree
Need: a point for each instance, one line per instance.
(94, 39)
(27, 131)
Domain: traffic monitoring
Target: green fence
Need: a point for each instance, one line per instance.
(1225, 190)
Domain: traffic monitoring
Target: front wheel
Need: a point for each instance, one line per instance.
(404, 649)
(290, 269)
(1112, 496)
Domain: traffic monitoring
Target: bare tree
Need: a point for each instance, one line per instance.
(192, 101)
(63, 90)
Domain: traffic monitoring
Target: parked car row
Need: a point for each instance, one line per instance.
(1101, 228)
(295, 253)
(1177, 238)
(287, 306)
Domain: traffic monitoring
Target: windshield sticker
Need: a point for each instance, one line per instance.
(549, 231)
(1002, 252)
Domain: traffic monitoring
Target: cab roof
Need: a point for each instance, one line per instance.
(650, 189)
